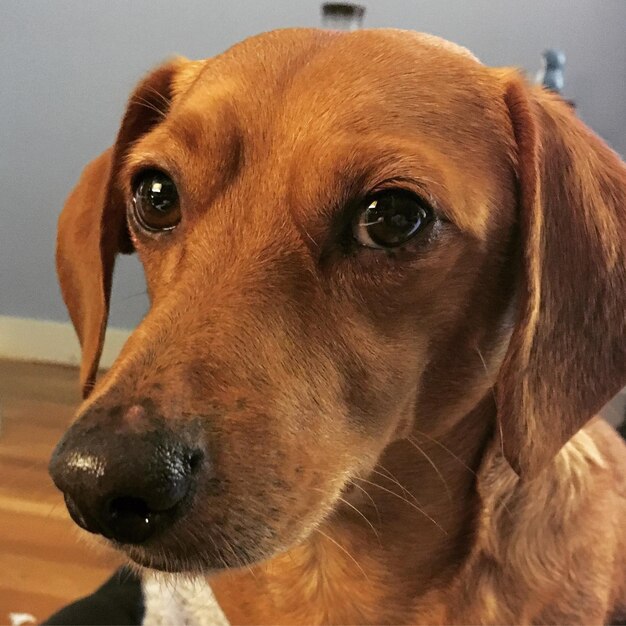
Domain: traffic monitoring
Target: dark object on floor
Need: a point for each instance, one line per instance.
(621, 429)
(119, 602)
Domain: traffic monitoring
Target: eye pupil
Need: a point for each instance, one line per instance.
(391, 219)
(155, 201)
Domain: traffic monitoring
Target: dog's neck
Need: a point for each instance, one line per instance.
(402, 531)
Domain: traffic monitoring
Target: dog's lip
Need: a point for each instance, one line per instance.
(162, 561)
(153, 562)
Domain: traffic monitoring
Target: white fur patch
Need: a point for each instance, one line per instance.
(171, 599)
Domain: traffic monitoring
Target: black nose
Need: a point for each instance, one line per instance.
(127, 486)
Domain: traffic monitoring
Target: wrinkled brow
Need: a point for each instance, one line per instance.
(331, 183)
(324, 182)
(203, 151)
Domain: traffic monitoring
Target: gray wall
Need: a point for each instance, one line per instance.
(67, 66)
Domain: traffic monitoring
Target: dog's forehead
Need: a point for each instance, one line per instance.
(303, 43)
(304, 62)
(308, 80)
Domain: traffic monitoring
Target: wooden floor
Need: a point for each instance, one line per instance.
(43, 564)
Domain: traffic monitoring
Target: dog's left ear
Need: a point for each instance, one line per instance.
(567, 354)
(92, 226)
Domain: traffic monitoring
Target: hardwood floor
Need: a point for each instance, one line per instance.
(43, 564)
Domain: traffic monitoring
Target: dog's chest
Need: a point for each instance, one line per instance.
(182, 601)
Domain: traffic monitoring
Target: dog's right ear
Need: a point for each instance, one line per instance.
(92, 227)
(567, 353)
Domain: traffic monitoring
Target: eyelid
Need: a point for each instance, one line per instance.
(135, 165)
(411, 186)
(344, 210)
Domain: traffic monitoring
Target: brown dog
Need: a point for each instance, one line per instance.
(387, 293)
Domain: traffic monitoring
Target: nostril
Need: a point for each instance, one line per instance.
(195, 460)
(126, 506)
(130, 519)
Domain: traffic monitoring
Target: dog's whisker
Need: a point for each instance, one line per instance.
(411, 504)
(389, 476)
(369, 523)
(231, 550)
(250, 569)
(219, 551)
(495, 399)
(432, 464)
(148, 105)
(306, 232)
(200, 540)
(159, 95)
(239, 561)
(155, 105)
(139, 101)
(350, 556)
(446, 449)
(484, 364)
(364, 491)
(354, 508)
(243, 562)
(493, 394)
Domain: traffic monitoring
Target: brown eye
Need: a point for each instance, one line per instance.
(155, 201)
(390, 218)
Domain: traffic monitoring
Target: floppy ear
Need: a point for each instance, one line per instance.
(567, 354)
(92, 227)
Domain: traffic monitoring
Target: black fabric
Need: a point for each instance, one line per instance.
(119, 602)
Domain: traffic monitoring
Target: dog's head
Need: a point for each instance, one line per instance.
(344, 236)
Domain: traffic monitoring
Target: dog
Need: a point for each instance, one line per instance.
(387, 290)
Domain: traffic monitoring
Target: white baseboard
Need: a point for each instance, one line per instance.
(27, 339)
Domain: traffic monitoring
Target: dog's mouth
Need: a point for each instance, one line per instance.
(235, 541)
(167, 562)
(204, 555)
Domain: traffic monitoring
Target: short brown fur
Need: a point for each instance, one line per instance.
(364, 411)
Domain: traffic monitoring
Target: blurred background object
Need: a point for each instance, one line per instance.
(342, 15)
(551, 74)
(67, 68)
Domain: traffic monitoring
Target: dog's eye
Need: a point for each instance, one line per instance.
(155, 201)
(390, 218)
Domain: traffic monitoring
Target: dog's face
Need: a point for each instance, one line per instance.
(329, 230)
